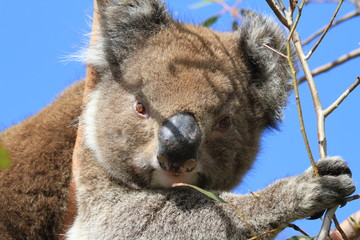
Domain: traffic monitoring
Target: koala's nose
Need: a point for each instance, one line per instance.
(179, 140)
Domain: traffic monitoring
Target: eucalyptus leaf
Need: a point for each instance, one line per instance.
(210, 21)
(235, 25)
(209, 194)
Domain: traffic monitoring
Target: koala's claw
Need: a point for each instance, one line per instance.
(316, 215)
(329, 189)
(333, 166)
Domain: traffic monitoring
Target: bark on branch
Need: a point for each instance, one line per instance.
(341, 20)
(326, 67)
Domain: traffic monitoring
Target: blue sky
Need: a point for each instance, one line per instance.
(37, 37)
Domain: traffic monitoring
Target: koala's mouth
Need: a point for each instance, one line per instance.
(165, 179)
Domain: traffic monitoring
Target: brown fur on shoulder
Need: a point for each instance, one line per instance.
(34, 190)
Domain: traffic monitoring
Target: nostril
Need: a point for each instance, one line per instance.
(190, 165)
(163, 162)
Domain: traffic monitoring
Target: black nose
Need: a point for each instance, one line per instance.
(179, 140)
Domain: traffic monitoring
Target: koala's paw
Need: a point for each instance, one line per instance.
(320, 193)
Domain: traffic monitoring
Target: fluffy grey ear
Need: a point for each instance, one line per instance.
(125, 25)
(270, 81)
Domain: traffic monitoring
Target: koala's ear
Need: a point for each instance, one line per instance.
(270, 72)
(125, 25)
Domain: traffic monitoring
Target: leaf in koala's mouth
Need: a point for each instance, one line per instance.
(207, 193)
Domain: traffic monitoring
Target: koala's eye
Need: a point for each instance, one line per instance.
(224, 123)
(140, 109)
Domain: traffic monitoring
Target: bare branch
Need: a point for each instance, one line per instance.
(293, 35)
(325, 31)
(326, 67)
(338, 227)
(295, 83)
(352, 198)
(276, 9)
(283, 8)
(338, 101)
(343, 19)
(326, 223)
(296, 228)
(274, 50)
(350, 227)
(314, 94)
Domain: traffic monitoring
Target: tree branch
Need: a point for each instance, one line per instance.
(314, 94)
(343, 19)
(352, 198)
(350, 226)
(338, 228)
(309, 77)
(326, 223)
(338, 101)
(325, 31)
(276, 9)
(344, 58)
(296, 89)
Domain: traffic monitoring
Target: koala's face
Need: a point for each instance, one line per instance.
(177, 103)
(180, 113)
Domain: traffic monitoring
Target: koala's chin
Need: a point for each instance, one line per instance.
(164, 179)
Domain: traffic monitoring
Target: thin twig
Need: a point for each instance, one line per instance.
(314, 94)
(274, 50)
(352, 198)
(264, 233)
(342, 19)
(276, 9)
(326, 67)
(283, 8)
(296, 89)
(338, 227)
(350, 226)
(312, 50)
(296, 228)
(320, 121)
(338, 101)
(324, 231)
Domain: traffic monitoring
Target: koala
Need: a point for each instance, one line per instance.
(173, 103)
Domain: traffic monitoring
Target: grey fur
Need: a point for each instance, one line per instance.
(127, 24)
(270, 70)
(172, 68)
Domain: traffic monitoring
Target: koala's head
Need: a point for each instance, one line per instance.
(181, 103)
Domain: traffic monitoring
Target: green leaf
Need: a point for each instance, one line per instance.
(209, 194)
(300, 238)
(235, 25)
(210, 21)
(201, 4)
(4, 158)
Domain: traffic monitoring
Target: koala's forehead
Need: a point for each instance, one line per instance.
(190, 66)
